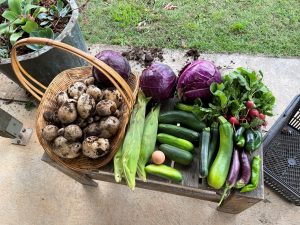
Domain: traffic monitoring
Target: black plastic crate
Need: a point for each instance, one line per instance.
(282, 153)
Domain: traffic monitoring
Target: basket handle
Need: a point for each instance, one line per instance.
(110, 73)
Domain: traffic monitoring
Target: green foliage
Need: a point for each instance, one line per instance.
(231, 95)
(22, 17)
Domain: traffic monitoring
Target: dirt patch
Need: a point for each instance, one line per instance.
(48, 3)
(144, 56)
(193, 53)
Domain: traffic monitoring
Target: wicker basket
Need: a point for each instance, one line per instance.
(46, 96)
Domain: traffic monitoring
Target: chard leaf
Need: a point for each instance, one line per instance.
(15, 36)
(30, 26)
(9, 15)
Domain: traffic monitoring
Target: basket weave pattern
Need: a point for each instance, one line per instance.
(61, 82)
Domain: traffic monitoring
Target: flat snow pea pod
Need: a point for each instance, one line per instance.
(250, 140)
(133, 139)
(255, 174)
(148, 140)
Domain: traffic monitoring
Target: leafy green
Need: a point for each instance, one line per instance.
(230, 97)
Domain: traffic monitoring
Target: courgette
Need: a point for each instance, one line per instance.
(213, 144)
(176, 154)
(164, 172)
(219, 170)
(184, 118)
(175, 141)
(203, 147)
(178, 131)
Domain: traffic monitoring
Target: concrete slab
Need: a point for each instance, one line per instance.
(35, 193)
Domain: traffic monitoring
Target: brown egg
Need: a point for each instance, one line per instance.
(158, 157)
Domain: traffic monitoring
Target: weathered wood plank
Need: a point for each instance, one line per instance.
(80, 177)
(170, 188)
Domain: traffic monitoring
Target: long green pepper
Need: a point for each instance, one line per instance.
(148, 140)
(133, 139)
(255, 174)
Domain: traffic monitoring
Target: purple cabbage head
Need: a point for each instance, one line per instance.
(158, 81)
(195, 79)
(116, 61)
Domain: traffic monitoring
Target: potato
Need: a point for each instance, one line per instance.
(67, 113)
(113, 95)
(65, 149)
(109, 127)
(76, 90)
(85, 105)
(61, 98)
(95, 92)
(50, 132)
(89, 81)
(106, 108)
(94, 147)
(72, 132)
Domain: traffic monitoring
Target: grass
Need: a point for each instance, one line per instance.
(270, 27)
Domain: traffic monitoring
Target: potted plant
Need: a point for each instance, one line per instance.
(56, 19)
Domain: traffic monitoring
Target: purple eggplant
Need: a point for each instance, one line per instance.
(233, 174)
(246, 170)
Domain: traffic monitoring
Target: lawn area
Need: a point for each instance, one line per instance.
(270, 27)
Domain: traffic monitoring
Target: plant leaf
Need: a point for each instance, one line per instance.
(15, 36)
(15, 6)
(59, 5)
(42, 16)
(4, 28)
(39, 11)
(41, 32)
(44, 23)
(28, 8)
(30, 26)
(64, 11)
(9, 15)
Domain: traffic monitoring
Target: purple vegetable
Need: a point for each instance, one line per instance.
(246, 170)
(233, 174)
(158, 81)
(116, 61)
(195, 79)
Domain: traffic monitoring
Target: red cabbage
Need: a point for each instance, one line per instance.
(195, 79)
(158, 81)
(116, 61)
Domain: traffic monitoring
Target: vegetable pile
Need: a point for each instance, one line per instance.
(220, 116)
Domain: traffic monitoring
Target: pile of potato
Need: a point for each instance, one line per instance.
(85, 120)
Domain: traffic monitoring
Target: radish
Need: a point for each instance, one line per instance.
(234, 121)
(250, 104)
(254, 113)
(262, 116)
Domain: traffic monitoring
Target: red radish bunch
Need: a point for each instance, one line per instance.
(234, 121)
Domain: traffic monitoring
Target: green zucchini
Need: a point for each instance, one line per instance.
(176, 154)
(178, 131)
(175, 141)
(203, 147)
(219, 170)
(213, 144)
(184, 118)
(164, 171)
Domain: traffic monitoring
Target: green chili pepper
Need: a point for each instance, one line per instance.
(239, 133)
(257, 139)
(255, 173)
(250, 146)
(241, 142)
